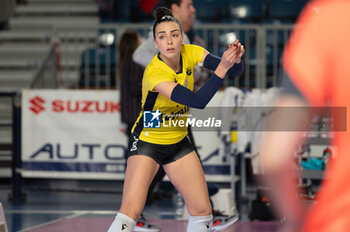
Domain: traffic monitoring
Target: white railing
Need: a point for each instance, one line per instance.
(92, 65)
(264, 45)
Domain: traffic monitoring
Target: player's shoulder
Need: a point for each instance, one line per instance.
(190, 47)
(154, 67)
(153, 70)
(191, 52)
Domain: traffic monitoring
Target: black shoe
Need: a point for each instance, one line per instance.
(222, 221)
(143, 225)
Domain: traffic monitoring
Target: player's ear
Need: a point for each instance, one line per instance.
(155, 44)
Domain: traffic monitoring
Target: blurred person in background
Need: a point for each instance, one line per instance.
(131, 79)
(316, 61)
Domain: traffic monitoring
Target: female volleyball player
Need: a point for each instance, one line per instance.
(166, 95)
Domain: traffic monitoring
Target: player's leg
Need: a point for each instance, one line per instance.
(156, 180)
(142, 223)
(138, 176)
(187, 176)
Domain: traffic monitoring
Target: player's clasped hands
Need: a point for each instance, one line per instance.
(233, 54)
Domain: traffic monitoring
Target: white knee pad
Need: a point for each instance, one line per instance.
(200, 223)
(122, 223)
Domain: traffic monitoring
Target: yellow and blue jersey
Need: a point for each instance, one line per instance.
(167, 113)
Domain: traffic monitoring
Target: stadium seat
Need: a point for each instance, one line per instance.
(102, 58)
(285, 9)
(210, 10)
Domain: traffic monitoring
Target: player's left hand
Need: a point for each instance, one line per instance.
(239, 50)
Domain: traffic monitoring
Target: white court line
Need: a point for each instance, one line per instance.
(75, 213)
(80, 212)
(49, 222)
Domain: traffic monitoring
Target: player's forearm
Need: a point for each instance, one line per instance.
(200, 98)
(212, 62)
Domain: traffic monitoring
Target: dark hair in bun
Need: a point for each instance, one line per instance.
(163, 14)
(162, 11)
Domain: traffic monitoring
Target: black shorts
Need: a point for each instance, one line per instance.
(162, 154)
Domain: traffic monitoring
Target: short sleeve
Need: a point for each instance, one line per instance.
(194, 53)
(306, 58)
(154, 76)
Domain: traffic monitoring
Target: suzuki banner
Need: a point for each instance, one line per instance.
(72, 134)
(79, 134)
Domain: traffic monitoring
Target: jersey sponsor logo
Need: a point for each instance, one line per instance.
(151, 119)
(186, 82)
(134, 144)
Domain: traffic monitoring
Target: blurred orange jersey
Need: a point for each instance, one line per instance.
(317, 60)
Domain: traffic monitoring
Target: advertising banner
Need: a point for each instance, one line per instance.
(72, 134)
(79, 134)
